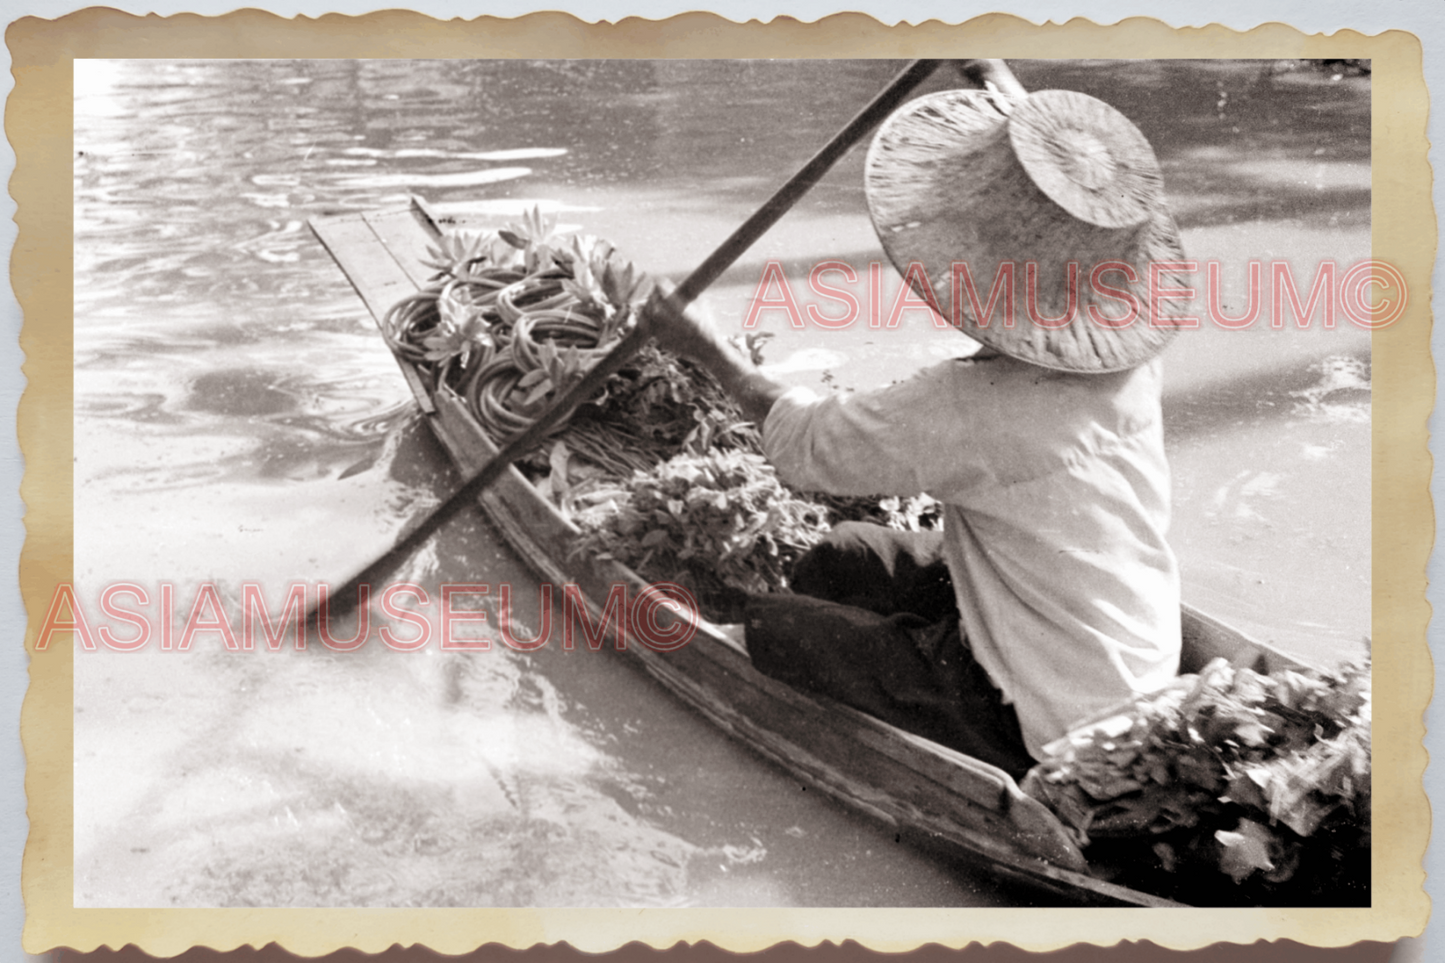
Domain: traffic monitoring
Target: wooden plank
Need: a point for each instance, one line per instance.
(807, 739)
(366, 262)
(1207, 638)
(375, 275)
(406, 236)
(461, 220)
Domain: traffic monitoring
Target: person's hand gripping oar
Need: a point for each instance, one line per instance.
(344, 599)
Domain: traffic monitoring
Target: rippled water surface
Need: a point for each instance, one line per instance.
(238, 420)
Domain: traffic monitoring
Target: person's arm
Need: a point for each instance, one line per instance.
(683, 333)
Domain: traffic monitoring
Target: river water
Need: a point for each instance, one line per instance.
(237, 420)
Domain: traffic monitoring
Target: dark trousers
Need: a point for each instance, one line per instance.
(875, 626)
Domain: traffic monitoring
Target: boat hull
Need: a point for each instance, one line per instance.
(930, 795)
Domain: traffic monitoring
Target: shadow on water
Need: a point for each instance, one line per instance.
(1254, 139)
(1247, 107)
(748, 272)
(244, 392)
(1210, 406)
(1339, 207)
(1224, 130)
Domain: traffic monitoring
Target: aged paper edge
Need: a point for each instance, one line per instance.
(38, 123)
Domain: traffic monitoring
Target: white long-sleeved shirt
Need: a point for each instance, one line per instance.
(1056, 494)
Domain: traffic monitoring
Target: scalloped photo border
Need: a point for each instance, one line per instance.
(38, 123)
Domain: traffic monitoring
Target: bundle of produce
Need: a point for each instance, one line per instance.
(675, 406)
(920, 513)
(1224, 787)
(719, 523)
(513, 318)
(487, 282)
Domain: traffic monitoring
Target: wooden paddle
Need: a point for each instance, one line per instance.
(343, 599)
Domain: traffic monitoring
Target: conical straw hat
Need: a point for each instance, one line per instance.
(1030, 186)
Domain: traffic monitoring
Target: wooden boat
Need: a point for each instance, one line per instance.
(932, 796)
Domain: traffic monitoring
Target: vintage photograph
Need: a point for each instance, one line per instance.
(921, 484)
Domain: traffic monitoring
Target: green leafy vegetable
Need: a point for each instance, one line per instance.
(716, 522)
(1225, 775)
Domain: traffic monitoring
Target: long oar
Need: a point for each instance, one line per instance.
(344, 598)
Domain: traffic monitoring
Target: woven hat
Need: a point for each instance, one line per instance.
(966, 176)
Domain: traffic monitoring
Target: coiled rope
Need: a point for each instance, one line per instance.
(508, 328)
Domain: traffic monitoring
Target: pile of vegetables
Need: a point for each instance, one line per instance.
(717, 522)
(1225, 787)
(513, 318)
(660, 471)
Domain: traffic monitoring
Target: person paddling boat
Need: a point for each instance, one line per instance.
(1052, 592)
